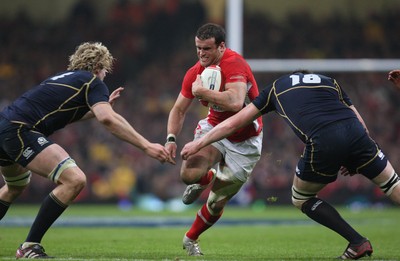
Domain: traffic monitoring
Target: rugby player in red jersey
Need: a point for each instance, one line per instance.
(225, 165)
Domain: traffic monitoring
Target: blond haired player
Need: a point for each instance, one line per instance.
(69, 96)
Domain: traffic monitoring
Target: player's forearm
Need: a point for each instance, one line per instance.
(221, 131)
(120, 128)
(175, 122)
(226, 100)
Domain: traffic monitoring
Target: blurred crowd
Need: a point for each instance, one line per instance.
(153, 42)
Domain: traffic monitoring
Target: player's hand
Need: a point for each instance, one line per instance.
(345, 172)
(171, 148)
(197, 87)
(189, 149)
(394, 77)
(115, 95)
(159, 152)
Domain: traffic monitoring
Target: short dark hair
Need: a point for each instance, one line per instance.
(211, 30)
(303, 71)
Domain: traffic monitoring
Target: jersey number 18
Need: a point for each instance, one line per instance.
(306, 78)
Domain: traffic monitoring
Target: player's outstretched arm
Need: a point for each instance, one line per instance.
(394, 77)
(222, 130)
(118, 126)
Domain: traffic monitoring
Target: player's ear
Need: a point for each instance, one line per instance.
(221, 47)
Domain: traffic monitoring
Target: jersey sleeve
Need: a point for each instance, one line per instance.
(188, 79)
(97, 92)
(345, 98)
(235, 71)
(263, 101)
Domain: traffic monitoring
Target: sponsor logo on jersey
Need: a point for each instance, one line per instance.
(297, 170)
(28, 152)
(381, 155)
(42, 141)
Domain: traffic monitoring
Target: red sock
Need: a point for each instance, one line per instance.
(203, 221)
(206, 179)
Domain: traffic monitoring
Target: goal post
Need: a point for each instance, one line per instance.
(324, 65)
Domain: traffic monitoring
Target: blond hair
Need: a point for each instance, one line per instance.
(91, 56)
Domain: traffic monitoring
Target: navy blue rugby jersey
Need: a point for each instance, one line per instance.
(57, 101)
(307, 102)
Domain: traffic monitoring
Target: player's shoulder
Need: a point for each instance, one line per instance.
(71, 76)
(76, 78)
(233, 60)
(193, 71)
(232, 56)
(196, 68)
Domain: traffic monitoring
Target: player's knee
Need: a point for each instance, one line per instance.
(16, 185)
(188, 180)
(79, 181)
(190, 177)
(13, 192)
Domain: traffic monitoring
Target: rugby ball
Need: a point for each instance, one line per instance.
(211, 78)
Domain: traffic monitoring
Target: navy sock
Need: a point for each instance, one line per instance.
(3, 208)
(50, 210)
(323, 213)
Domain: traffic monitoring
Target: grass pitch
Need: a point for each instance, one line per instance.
(271, 233)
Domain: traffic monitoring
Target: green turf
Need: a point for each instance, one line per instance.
(283, 241)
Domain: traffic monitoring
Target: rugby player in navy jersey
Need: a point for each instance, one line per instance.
(76, 94)
(336, 142)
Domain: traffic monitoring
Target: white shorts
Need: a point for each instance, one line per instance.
(240, 157)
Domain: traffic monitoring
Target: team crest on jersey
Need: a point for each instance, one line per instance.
(42, 141)
(28, 152)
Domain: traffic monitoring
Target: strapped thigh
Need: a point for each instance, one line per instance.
(299, 196)
(20, 180)
(388, 186)
(63, 165)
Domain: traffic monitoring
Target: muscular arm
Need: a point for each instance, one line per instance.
(231, 99)
(177, 115)
(175, 121)
(222, 130)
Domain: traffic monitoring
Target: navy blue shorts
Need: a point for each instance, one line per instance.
(343, 143)
(19, 143)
